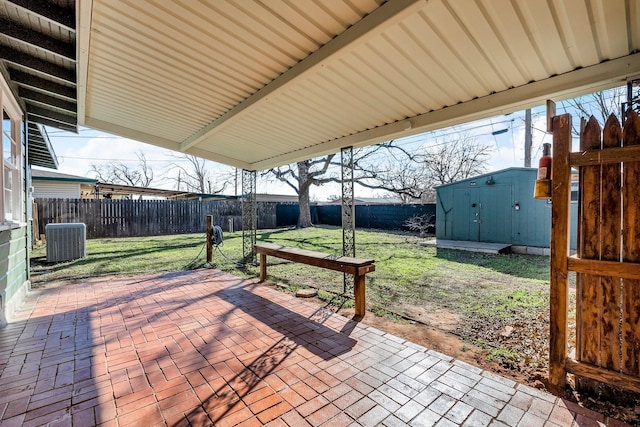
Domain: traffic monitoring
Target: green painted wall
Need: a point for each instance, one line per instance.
(13, 269)
(483, 209)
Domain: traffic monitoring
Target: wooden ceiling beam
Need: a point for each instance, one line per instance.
(37, 65)
(27, 80)
(53, 123)
(51, 114)
(51, 118)
(61, 16)
(32, 96)
(28, 37)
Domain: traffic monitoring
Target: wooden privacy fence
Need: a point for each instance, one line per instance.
(608, 259)
(131, 218)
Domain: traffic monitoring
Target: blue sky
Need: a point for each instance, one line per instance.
(77, 152)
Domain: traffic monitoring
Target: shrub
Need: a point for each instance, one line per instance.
(423, 224)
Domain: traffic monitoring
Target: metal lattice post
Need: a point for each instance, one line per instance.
(249, 216)
(348, 212)
(633, 97)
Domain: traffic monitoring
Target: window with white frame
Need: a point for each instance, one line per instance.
(11, 171)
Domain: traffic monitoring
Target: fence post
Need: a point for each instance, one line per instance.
(559, 291)
(209, 239)
(35, 224)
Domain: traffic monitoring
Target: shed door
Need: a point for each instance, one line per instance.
(466, 214)
(495, 213)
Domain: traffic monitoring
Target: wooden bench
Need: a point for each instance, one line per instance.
(357, 266)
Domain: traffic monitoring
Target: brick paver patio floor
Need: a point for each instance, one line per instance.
(208, 348)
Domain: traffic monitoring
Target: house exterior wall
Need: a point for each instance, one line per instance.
(14, 269)
(55, 190)
(14, 282)
(492, 199)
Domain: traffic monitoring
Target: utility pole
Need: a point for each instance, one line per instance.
(528, 139)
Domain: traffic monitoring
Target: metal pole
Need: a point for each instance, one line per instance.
(249, 216)
(348, 212)
(528, 138)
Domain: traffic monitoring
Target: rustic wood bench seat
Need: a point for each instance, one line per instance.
(359, 267)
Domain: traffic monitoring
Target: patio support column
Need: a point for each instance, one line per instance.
(249, 216)
(633, 99)
(348, 212)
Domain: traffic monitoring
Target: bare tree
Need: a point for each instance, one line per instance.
(423, 224)
(598, 104)
(412, 174)
(302, 175)
(389, 167)
(195, 174)
(118, 172)
(456, 159)
(400, 172)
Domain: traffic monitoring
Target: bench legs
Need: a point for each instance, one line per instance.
(359, 288)
(263, 267)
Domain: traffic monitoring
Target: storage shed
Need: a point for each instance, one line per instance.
(497, 207)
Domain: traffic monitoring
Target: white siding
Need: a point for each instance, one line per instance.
(56, 190)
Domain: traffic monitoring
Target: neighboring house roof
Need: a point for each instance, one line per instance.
(49, 175)
(278, 198)
(117, 189)
(40, 152)
(366, 201)
(125, 190)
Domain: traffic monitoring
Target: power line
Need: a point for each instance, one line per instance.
(63, 137)
(122, 160)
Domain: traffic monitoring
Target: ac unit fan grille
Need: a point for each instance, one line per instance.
(65, 242)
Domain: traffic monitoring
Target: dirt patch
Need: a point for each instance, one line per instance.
(441, 319)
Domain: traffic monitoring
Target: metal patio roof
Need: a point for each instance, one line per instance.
(255, 84)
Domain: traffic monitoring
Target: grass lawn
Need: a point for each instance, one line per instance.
(489, 293)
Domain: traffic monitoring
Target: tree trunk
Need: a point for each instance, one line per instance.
(304, 218)
(304, 180)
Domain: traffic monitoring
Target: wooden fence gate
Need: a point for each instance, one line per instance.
(607, 262)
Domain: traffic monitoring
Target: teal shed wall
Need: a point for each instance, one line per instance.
(491, 198)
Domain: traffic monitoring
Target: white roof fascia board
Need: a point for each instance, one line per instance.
(161, 142)
(220, 158)
(84, 9)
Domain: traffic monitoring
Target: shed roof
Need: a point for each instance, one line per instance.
(489, 175)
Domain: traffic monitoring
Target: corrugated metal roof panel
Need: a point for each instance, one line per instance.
(262, 83)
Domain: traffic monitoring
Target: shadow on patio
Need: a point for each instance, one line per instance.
(205, 347)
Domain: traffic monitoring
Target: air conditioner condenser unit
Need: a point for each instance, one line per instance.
(65, 242)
